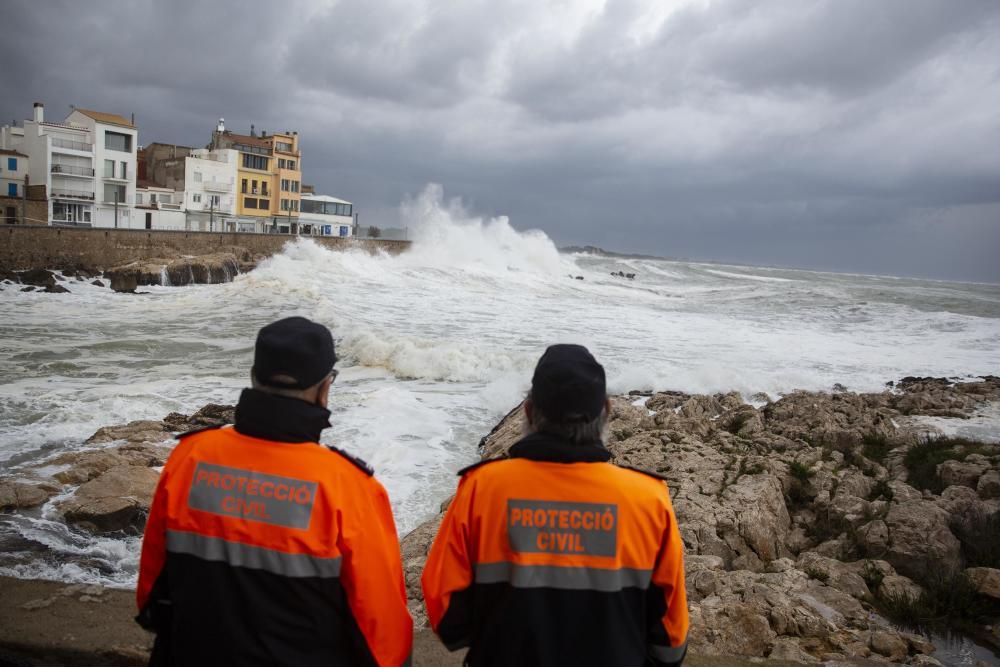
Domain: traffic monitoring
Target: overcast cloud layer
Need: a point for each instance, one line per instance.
(852, 135)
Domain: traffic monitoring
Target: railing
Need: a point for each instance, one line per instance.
(217, 186)
(72, 170)
(72, 145)
(71, 194)
(164, 206)
(111, 202)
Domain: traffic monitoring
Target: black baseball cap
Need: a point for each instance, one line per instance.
(568, 384)
(293, 353)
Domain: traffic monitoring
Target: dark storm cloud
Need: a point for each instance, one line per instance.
(842, 134)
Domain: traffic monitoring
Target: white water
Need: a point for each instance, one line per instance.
(438, 343)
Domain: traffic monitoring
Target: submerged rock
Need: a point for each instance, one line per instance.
(117, 500)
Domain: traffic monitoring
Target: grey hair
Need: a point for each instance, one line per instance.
(301, 394)
(577, 432)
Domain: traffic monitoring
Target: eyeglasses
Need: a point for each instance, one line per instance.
(333, 375)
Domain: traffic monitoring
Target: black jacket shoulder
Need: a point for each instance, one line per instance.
(649, 473)
(360, 464)
(198, 430)
(467, 469)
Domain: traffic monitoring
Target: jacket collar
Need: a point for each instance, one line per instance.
(271, 417)
(553, 449)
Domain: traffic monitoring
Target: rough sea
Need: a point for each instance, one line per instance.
(438, 343)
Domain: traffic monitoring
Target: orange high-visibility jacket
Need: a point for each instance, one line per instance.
(265, 552)
(555, 556)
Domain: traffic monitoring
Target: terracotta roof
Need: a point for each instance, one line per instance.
(4, 151)
(247, 139)
(109, 118)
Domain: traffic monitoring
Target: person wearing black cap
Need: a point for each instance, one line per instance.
(263, 546)
(555, 556)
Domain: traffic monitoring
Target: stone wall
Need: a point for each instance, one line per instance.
(27, 211)
(98, 249)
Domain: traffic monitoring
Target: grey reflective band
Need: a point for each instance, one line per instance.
(668, 653)
(566, 578)
(239, 554)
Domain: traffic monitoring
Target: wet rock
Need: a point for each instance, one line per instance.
(890, 645)
(204, 269)
(900, 588)
(19, 495)
(117, 500)
(37, 277)
(415, 546)
(27, 289)
(986, 580)
(508, 430)
(97, 283)
(56, 289)
(123, 279)
(137, 431)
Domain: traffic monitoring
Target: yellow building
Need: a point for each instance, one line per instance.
(268, 179)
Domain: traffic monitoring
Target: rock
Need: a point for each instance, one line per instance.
(834, 573)
(37, 277)
(123, 279)
(788, 649)
(27, 289)
(898, 587)
(920, 542)
(890, 645)
(118, 500)
(986, 580)
(137, 431)
(989, 485)
(925, 661)
(415, 547)
(56, 289)
(730, 629)
(214, 268)
(19, 495)
(508, 430)
(961, 473)
(97, 283)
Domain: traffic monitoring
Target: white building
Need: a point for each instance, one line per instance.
(159, 208)
(85, 164)
(204, 180)
(13, 179)
(322, 215)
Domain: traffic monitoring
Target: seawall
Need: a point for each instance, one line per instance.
(27, 247)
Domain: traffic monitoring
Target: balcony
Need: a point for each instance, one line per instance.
(70, 170)
(71, 194)
(72, 145)
(217, 186)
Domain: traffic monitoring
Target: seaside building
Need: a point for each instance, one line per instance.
(158, 207)
(13, 184)
(323, 215)
(268, 179)
(86, 165)
(204, 182)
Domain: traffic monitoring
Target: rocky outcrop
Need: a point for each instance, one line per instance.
(108, 487)
(797, 517)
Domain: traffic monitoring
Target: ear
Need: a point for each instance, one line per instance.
(323, 394)
(607, 408)
(529, 411)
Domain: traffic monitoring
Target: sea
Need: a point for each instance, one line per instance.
(438, 343)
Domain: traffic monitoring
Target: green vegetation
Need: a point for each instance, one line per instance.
(873, 576)
(818, 575)
(881, 491)
(946, 596)
(875, 447)
(979, 533)
(800, 471)
(738, 421)
(923, 459)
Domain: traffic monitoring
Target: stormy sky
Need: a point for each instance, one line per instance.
(853, 135)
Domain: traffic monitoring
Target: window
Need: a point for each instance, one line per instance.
(215, 200)
(111, 192)
(284, 204)
(263, 188)
(255, 162)
(249, 202)
(244, 186)
(295, 186)
(124, 171)
(253, 188)
(11, 217)
(283, 146)
(116, 141)
(197, 177)
(264, 204)
(284, 185)
(138, 199)
(152, 197)
(196, 198)
(12, 189)
(291, 164)
(282, 162)
(12, 164)
(109, 169)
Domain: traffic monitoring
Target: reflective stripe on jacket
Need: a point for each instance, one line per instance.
(555, 556)
(265, 552)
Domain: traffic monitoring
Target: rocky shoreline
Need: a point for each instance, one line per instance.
(812, 523)
(220, 266)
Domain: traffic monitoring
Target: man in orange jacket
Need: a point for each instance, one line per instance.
(263, 546)
(554, 556)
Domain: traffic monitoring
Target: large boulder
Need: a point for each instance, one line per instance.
(16, 494)
(961, 473)
(415, 546)
(220, 267)
(117, 500)
(124, 278)
(986, 580)
(38, 278)
(920, 542)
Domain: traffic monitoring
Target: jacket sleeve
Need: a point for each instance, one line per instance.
(667, 599)
(372, 577)
(154, 555)
(448, 575)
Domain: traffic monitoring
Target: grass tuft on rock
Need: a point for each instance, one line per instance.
(947, 596)
(875, 447)
(800, 471)
(979, 533)
(922, 460)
